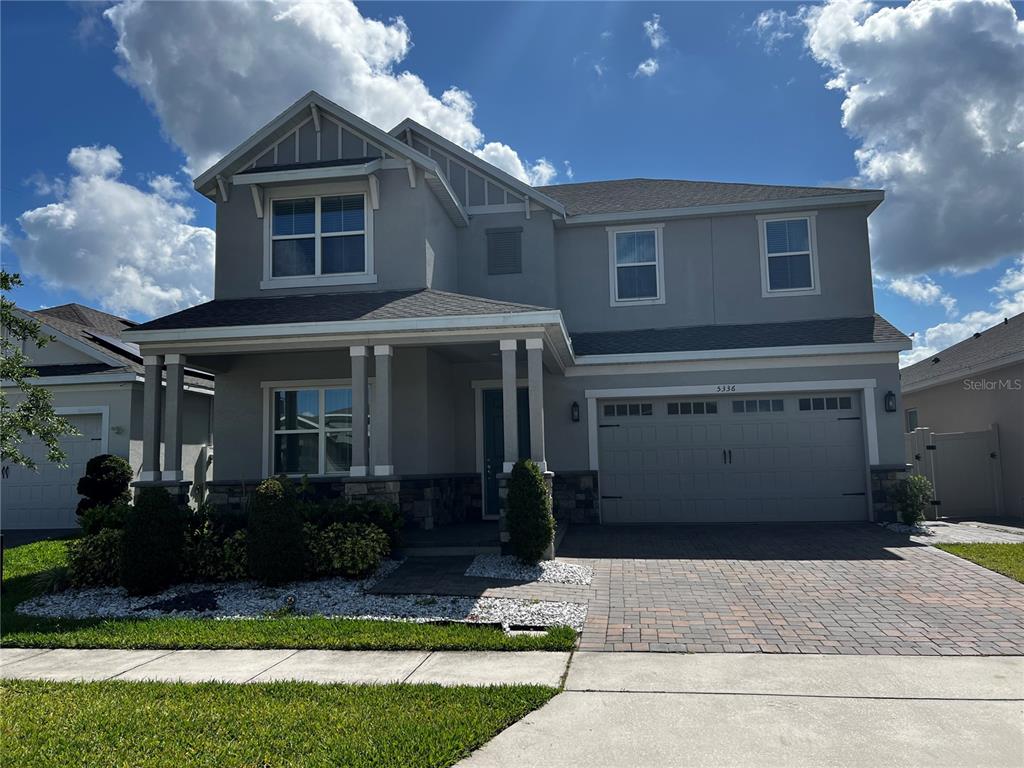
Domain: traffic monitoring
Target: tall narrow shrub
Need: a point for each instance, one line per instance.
(275, 539)
(531, 526)
(912, 497)
(152, 546)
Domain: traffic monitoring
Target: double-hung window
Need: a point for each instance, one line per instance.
(636, 269)
(318, 239)
(311, 431)
(789, 259)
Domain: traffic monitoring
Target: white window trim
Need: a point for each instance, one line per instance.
(613, 283)
(367, 276)
(812, 235)
(321, 385)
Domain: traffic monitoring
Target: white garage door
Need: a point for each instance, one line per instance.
(768, 458)
(47, 498)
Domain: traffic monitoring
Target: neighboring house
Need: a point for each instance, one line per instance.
(394, 316)
(95, 380)
(958, 395)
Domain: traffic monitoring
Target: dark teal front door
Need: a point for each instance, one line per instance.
(494, 441)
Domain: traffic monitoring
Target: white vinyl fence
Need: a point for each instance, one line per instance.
(963, 467)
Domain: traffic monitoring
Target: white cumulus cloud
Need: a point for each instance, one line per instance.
(656, 34)
(933, 94)
(921, 290)
(216, 72)
(134, 252)
(647, 68)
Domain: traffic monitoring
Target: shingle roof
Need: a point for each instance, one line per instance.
(843, 330)
(100, 331)
(333, 307)
(626, 195)
(984, 350)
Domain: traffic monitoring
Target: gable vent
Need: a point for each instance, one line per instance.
(505, 251)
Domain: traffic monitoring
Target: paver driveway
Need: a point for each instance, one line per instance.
(856, 589)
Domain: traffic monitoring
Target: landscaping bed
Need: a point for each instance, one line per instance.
(514, 569)
(25, 575)
(215, 724)
(1007, 559)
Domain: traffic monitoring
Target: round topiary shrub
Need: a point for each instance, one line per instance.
(152, 554)
(274, 540)
(105, 482)
(912, 497)
(356, 549)
(95, 561)
(530, 524)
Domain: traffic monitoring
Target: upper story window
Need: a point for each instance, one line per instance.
(636, 265)
(317, 239)
(505, 251)
(789, 257)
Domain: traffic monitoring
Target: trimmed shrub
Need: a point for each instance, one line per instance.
(154, 540)
(356, 549)
(103, 516)
(318, 559)
(530, 524)
(236, 557)
(912, 497)
(274, 541)
(95, 561)
(376, 512)
(105, 482)
(210, 556)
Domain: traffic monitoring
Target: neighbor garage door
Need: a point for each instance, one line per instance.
(777, 457)
(47, 498)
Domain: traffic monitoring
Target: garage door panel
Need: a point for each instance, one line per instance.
(786, 463)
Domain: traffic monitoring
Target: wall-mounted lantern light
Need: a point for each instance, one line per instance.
(890, 402)
(574, 412)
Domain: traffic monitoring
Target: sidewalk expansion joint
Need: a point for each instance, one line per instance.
(424, 661)
(264, 671)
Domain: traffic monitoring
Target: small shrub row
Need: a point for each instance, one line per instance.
(281, 537)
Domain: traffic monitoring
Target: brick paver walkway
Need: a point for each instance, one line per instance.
(850, 589)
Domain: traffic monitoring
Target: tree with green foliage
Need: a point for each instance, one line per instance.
(912, 497)
(33, 414)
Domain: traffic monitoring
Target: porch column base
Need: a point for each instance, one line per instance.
(150, 476)
(383, 470)
(172, 475)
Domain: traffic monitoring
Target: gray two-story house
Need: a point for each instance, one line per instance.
(394, 316)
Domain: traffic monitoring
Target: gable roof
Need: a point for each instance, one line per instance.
(873, 329)
(627, 195)
(534, 193)
(1000, 345)
(333, 307)
(98, 334)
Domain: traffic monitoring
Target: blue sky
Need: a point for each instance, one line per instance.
(732, 99)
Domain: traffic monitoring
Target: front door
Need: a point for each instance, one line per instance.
(494, 442)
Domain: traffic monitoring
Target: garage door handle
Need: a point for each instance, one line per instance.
(611, 497)
(848, 418)
(858, 493)
(723, 457)
(730, 455)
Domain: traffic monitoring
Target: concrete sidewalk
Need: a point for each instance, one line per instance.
(772, 710)
(370, 667)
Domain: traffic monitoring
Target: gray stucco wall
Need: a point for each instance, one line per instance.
(197, 422)
(537, 284)
(953, 407)
(713, 275)
(409, 223)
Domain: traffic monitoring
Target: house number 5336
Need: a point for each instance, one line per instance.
(725, 388)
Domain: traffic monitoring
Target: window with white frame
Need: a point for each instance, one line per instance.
(635, 261)
(318, 235)
(788, 255)
(311, 430)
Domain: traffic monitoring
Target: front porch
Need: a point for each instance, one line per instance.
(428, 419)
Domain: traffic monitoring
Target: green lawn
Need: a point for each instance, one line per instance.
(1007, 559)
(274, 724)
(24, 565)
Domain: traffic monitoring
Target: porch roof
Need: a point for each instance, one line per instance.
(332, 307)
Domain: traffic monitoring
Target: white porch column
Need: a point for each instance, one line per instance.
(359, 411)
(382, 465)
(535, 372)
(509, 402)
(151, 417)
(174, 407)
